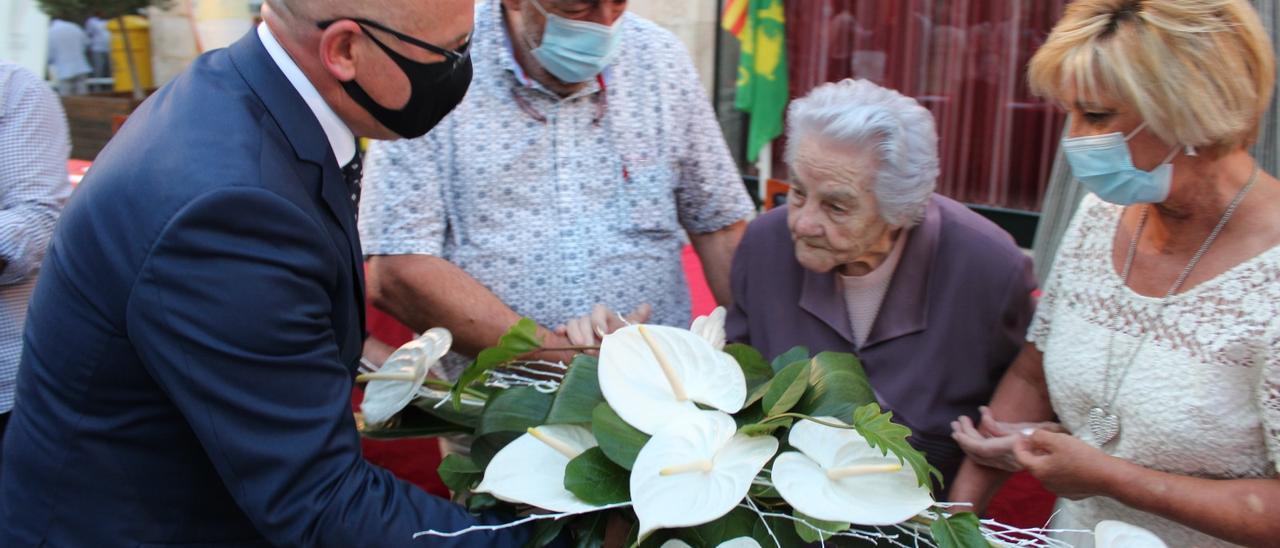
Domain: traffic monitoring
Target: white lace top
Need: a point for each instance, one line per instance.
(1202, 397)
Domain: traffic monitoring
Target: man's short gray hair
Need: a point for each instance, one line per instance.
(858, 113)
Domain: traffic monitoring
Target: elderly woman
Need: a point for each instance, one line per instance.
(865, 258)
(1157, 342)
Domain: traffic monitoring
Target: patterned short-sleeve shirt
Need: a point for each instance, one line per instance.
(554, 203)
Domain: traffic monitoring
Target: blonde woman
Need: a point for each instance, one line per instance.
(1157, 341)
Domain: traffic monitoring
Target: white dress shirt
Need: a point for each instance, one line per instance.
(340, 136)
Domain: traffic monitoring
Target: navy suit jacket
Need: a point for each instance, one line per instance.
(190, 348)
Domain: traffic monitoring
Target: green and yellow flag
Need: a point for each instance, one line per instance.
(760, 25)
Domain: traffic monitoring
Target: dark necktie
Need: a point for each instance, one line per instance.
(353, 172)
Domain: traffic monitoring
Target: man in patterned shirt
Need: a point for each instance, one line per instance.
(34, 146)
(564, 180)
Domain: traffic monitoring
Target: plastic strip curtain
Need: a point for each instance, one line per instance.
(965, 60)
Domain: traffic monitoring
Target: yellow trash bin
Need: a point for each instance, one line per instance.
(139, 30)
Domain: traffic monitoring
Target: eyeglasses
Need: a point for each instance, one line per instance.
(454, 58)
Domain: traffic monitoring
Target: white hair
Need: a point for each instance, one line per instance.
(858, 113)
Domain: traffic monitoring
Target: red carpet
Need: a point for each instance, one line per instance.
(1022, 503)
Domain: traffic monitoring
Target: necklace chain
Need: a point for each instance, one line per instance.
(1109, 393)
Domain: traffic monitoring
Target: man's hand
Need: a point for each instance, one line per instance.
(990, 443)
(589, 330)
(1065, 464)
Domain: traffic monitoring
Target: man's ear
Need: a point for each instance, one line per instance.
(337, 49)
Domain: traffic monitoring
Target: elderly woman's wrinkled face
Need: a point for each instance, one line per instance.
(832, 210)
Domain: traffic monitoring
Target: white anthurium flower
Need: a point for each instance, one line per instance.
(400, 378)
(740, 542)
(695, 471)
(1118, 534)
(530, 470)
(652, 375)
(711, 327)
(837, 476)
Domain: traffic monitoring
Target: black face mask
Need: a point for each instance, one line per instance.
(435, 88)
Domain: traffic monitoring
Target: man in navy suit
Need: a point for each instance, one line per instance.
(190, 349)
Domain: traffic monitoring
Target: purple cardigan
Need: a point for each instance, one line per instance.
(953, 319)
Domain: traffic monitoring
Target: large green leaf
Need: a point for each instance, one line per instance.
(521, 339)
(483, 448)
(479, 502)
(459, 473)
(880, 431)
(797, 354)
(515, 410)
(786, 388)
(754, 367)
(467, 415)
(589, 532)
(579, 393)
(958, 531)
(838, 386)
(413, 423)
(740, 522)
(545, 531)
(827, 528)
(597, 480)
(620, 441)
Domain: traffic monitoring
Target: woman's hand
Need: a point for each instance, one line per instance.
(1065, 464)
(990, 442)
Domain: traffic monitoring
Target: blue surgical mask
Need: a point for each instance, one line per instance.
(575, 51)
(1103, 164)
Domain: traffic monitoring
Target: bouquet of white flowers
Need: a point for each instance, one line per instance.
(685, 440)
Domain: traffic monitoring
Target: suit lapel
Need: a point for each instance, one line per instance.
(308, 140)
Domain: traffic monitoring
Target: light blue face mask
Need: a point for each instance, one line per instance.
(1103, 164)
(575, 51)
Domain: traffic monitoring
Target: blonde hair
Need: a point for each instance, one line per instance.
(1199, 72)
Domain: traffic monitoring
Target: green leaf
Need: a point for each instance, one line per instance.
(459, 473)
(515, 410)
(620, 441)
(413, 423)
(590, 531)
(763, 492)
(467, 415)
(797, 354)
(545, 531)
(755, 394)
(958, 531)
(595, 479)
(749, 415)
(838, 386)
(765, 429)
(738, 523)
(479, 502)
(521, 339)
(483, 448)
(579, 393)
(879, 431)
(780, 527)
(786, 388)
(754, 367)
(808, 534)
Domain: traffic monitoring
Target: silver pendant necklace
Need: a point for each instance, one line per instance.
(1103, 423)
